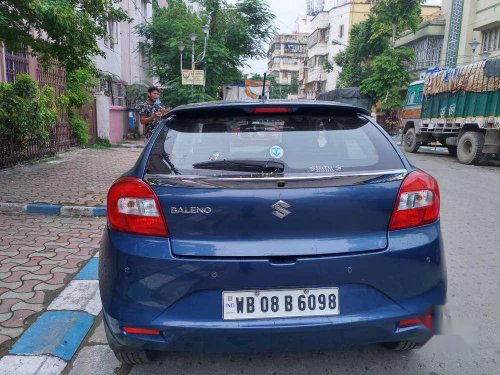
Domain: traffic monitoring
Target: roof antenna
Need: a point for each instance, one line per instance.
(263, 96)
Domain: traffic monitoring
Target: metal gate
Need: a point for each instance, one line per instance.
(88, 112)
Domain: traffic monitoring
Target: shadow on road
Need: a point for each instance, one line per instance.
(442, 355)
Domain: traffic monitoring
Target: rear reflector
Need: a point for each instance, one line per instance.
(271, 110)
(425, 320)
(134, 208)
(141, 331)
(417, 203)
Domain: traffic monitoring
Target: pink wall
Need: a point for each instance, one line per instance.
(118, 123)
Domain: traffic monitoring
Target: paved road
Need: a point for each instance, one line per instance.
(470, 222)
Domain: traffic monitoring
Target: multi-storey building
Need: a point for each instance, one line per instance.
(122, 65)
(317, 53)
(459, 33)
(329, 34)
(285, 53)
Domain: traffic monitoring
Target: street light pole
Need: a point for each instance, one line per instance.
(473, 45)
(192, 36)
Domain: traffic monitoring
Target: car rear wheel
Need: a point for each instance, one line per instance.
(133, 357)
(410, 141)
(401, 346)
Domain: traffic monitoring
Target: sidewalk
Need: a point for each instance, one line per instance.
(38, 255)
(78, 177)
(49, 296)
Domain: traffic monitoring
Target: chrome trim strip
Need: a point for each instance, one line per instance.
(337, 179)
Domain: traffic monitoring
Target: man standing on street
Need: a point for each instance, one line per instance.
(151, 112)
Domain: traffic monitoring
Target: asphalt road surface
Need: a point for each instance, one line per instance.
(470, 217)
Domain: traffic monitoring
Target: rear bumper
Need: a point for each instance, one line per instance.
(143, 285)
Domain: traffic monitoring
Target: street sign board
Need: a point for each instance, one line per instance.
(193, 77)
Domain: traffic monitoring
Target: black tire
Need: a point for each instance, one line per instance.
(133, 357)
(401, 346)
(470, 148)
(452, 150)
(410, 141)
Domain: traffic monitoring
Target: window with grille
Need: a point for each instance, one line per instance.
(111, 40)
(118, 94)
(15, 63)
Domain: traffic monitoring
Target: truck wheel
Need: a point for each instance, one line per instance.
(452, 150)
(410, 141)
(470, 148)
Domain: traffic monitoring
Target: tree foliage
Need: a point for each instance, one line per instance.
(237, 32)
(25, 110)
(78, 84)
(66, 31)
(372, 60)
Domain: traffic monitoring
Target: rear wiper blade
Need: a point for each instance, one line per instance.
(243, 165)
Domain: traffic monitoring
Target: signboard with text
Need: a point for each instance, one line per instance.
(193, 77)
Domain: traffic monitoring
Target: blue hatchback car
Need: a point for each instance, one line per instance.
(270, 226)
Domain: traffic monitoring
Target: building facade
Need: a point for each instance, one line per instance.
(286, 51)
(427, 41)
(468, 20)
(122, 65)
(461, 32)
(329, 34)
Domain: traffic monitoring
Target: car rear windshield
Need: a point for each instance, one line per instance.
(284, 144)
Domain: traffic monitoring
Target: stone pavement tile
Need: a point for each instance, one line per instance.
(79, 295)
(99, 336)
(83, 177)
(32, 268)
(96, 360)
(39, 364)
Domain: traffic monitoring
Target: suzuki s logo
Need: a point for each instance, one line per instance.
(190, 210)
(281, 209)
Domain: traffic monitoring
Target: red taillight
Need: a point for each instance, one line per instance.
(271, 110)
(417, 203)
(134, 208)
(141, 331)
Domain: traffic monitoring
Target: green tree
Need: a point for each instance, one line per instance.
(282, 91)
(66, 31)
(372, 60)
(355, 59)
(78, 83)
(236, 33)
(25, 110)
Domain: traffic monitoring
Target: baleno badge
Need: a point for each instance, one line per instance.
(281, 209)
(190, 210)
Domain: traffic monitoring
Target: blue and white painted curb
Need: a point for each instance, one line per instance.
(52, 340)
(53, 209)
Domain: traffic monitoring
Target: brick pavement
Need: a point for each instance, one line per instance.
(77, 177)
(38, 255)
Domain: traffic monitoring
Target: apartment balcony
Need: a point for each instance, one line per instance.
(316, 74)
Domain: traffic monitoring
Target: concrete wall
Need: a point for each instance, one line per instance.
(118, 120)
(103, 116)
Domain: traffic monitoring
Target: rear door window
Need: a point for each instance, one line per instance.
(304, 143)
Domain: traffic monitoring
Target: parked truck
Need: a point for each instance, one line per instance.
(457, 108)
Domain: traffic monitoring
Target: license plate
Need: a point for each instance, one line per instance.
(266, 304)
